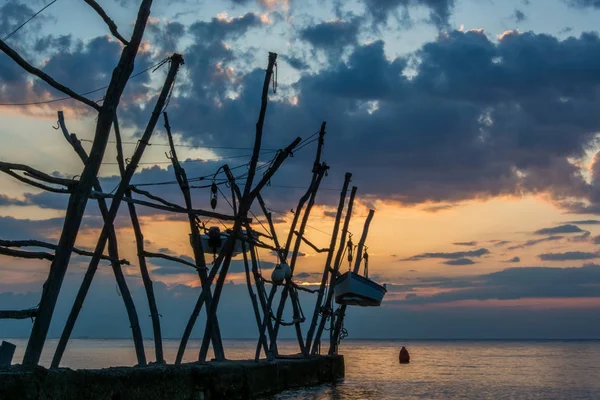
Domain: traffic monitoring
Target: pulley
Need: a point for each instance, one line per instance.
(350, 246)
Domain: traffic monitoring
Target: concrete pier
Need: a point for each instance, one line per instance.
(215, 380)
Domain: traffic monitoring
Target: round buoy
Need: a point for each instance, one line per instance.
(404, 356)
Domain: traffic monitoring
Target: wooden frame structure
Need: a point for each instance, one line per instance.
(212, 278)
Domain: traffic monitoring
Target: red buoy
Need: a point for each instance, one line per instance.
(404, 356)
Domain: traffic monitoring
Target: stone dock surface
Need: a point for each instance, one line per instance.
(214, 380)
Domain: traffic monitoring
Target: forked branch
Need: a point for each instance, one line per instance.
(111, 24)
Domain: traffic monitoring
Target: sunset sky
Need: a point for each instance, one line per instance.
(470, 126)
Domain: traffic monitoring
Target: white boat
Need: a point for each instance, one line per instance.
(355, 290)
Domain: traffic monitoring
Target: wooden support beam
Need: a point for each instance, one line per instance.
(7, 351)
(176, 61)
(139, 242)
(39, 243)
(336, 267)
(18, 314)
(328, 268)
(113, 247)
(178, 260)
(39, 255)
(78, 199)
(312, 245)
(182, 180)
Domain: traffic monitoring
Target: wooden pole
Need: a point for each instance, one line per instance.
(78, 199)
(266, 319)
(176, 61)
(328, 268)
(319, 171)
(139, 242)
(244, 206)
(253, 296)
(342, 311)
(334, 272)
(286, 290)
(113, 249)
(181, 177)
(18, 314)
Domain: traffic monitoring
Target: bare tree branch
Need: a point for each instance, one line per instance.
(34, 183)
(111, 24)
(34, 173)
(315, 248)
(43, 76)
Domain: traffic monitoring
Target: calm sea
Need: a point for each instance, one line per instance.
(438, 369)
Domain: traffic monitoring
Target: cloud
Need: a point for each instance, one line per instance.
(515, 283)
(332, 36)
(519, 16)
(585, 222)
(568, 256)
(10, 201)
(513, 260)
(459, 261)
(452, 256)
(439, 10)
(584, 3)
(472, 243)
(569, 228)
(530, 243)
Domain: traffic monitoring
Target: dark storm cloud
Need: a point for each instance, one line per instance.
(20, 229)
(568, 256)
(459, 261)
(516, 283)
(569, 228)
(439, 10)
(332, 36)
(295, 62)
(533, 242)
(584, 3)
(452, 256)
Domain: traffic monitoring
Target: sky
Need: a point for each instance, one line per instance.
(470, 126)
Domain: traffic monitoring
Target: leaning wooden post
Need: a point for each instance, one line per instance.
(342, 311)
(286, 290)
(244, 206)
(139, 242)
(78, 199)
(332, 243)
(113, 249)
(181, 177)
(318, 171)
(334, 271)
(176, 61)
(252, 295)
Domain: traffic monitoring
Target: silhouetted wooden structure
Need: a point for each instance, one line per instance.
(212, 277)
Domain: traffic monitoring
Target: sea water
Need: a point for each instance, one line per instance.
(437, 370)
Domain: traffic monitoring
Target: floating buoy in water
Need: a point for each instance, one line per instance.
(404, 356)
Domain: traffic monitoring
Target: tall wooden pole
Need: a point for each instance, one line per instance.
(318, 172)
(244, 206)
(139, 242)
(334, 272)
(181, 177)
(78, 199)
(332, 243)
(176, 61)
(295, 303)
(113, 249)
(342, 311)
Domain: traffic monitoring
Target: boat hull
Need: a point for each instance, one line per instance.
(355, 290)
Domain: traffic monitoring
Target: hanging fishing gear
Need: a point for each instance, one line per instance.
(350, 247)
(213, 195)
